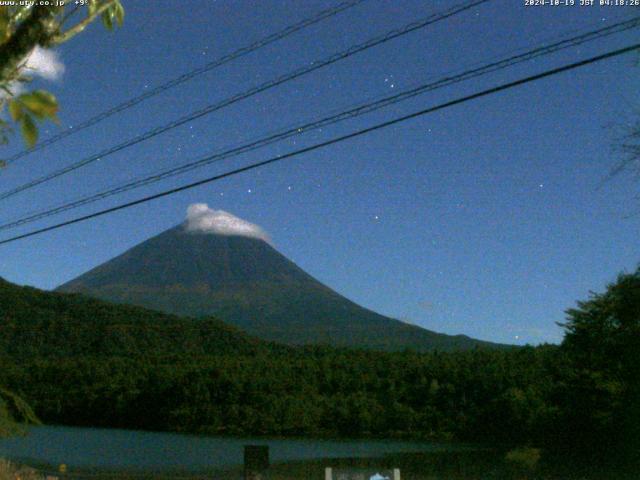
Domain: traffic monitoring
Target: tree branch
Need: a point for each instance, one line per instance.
(79, 27)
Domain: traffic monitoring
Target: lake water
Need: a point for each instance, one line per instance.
(91, 448)
(99, 454)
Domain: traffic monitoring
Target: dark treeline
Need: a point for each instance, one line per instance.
(84, 362)
(471, 396)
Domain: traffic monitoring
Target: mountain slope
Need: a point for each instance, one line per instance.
(247, 283)
(35, 323)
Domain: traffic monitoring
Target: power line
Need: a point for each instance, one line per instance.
(185, 77)
(332, 119)
(249, 93)
(317, 146)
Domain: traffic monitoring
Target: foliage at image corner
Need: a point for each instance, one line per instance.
(22, 29)
(602, 340)
(15, 414)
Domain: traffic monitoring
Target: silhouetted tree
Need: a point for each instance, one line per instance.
(603, 340)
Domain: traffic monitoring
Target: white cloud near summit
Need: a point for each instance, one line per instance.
(202, 219)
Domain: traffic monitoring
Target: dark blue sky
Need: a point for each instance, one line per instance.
(483, 219)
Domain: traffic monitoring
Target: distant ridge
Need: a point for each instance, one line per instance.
(243, 280)
(35, 323)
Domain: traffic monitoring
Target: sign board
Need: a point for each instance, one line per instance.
(256, 457)
(256, 461)
(343, 473)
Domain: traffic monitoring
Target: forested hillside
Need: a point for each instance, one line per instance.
(34, 323)
(475, 395)
(79, 361)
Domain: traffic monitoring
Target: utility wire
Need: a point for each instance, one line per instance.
(361, 109)
(317, 146)
(249, 93)
(185, 77)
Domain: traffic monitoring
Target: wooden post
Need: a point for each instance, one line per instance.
(328, 474)
(396, 474)
(256, 461)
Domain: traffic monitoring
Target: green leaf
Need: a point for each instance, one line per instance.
(119, 13)
(15, 110)
(40, 103)
(29, 130)
(92, 6)
(46, 98)
(114, 13)
(107, 19)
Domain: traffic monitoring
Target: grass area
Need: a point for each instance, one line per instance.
(12, 471)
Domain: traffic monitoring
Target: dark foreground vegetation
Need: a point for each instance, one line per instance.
(83, 362)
